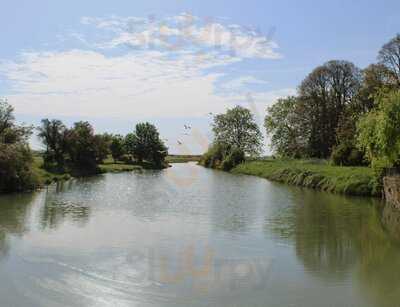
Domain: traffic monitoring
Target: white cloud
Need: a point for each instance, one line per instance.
(155, 82)
(185, 31)
(87, 83)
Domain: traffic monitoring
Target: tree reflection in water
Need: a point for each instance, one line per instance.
(58, 208)
(336, 237)
(14, 213)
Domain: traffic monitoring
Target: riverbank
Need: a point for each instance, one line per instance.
(315, 174)
(108, 166)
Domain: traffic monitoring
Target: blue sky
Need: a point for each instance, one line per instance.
(115, 63)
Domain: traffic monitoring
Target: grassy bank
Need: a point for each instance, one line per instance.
(182, 158)
(108, 166)
(315, 174)
(44, 177)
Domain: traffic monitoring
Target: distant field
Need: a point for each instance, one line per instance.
(183, 158)
(316, 174)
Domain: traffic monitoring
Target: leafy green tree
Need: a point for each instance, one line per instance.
(82, 147)
(16, 159)
(102, 144)
(6, 117)
(144, 144)
(284, 123)
(346, 151)
(117, 147)
(238, 129)
(54, 135)
(379, 130)
(325, 95)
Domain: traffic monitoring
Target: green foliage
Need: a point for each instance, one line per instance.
(145, 145)
(16, 172)
(82, 148)
(16, 168)
(325, 94)
(238, 129)
(283, 123)
(102, 143)
(215, 155)
(346, 154)
(234, 158)
(54, 136)
(222, 156)
(379, 130)
(117, 147)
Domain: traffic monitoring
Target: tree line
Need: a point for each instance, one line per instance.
(80, 150)
(77, 150)
(341, 112)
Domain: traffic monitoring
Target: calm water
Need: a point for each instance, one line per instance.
(189, 236)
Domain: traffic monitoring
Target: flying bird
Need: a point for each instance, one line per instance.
(179, 143)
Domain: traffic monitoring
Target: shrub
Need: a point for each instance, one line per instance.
(222, 156)
(15, 168)
(235, 157)
(346, 154)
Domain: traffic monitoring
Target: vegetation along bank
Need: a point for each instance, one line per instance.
(344, 116)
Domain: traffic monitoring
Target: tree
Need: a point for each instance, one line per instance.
(82, 147)
(16, 159)
(6, 116)
(54, 135)
(375, 78)
(117, 147)
(379, 130)
(325, 94)
(238, 129)
(389, 56)
(145, 144)
(102, 144)
(284, 123)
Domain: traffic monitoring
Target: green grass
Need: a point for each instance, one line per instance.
(45, 177)
(109, 166)
(316, 174)
(182, 158)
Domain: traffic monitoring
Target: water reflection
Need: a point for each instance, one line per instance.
(141, 239)
(14, 216)
(58, 208)
(232, 203)
(380, 262)
(336, 237)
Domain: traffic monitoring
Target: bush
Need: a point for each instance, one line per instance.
(345, 154)
(222, 156)
(15, 168)
(215, 155)
(235, 157)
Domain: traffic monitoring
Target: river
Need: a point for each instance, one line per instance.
(190, 236)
